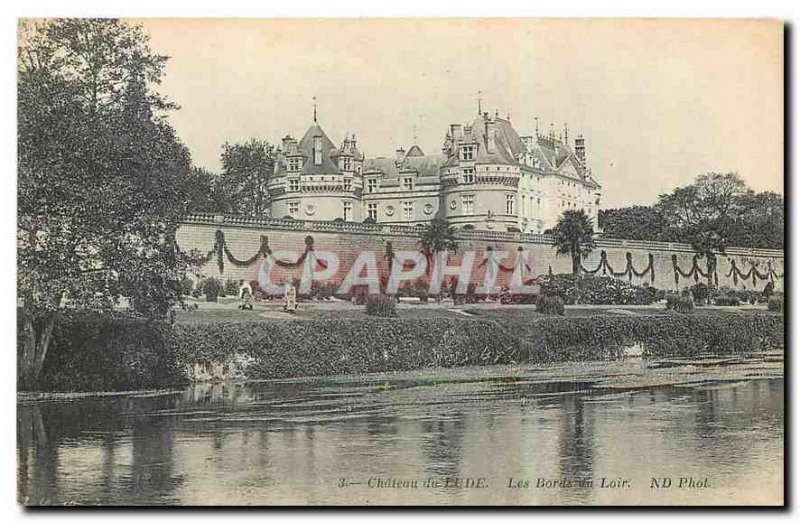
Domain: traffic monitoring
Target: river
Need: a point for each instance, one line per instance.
(668, 431)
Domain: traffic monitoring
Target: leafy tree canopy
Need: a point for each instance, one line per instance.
(716, 211)
(101, 176)
(246, 171)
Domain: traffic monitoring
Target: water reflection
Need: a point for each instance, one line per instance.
(293, 441)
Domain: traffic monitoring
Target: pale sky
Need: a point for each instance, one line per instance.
(658, 101)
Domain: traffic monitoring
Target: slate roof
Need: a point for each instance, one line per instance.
(414, 151)
(306, 147)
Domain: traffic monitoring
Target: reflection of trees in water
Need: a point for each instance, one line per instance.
(41, 486)
(152, 460)
(442, 442)
(720, 416)
(576, 444)
(93, 423)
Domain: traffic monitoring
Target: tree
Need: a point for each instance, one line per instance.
(760, 222)
(703, 214)
(100, 178)
(638, 222)
(246, 170)
(573, 235)
(205, 192)
(716, 211)
(437, 237)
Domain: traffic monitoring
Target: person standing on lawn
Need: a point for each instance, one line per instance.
(245, 295)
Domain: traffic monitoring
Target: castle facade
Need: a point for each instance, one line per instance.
(486, 177)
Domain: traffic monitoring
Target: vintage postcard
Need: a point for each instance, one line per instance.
(430, 262)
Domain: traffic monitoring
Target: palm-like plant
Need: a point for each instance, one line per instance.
(573, 235)
(437, 237)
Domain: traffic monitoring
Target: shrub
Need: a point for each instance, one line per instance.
(681, 303)
(212, 288)
(381, 306)
(91, 352)
(94, 352)
(727, 300)
(416, 289)
(232, 287)
(322, 291)
(282, 349)
(744, 296)
(775, 304)
(596, 290)
(256, 286)
(550, 305)
(187, 285)
(700, 292)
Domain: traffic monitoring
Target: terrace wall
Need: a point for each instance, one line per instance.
(243, 239)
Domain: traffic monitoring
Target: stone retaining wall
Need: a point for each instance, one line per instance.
(347, 240)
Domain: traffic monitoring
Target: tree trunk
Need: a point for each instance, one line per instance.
(576, 264)
(35, 348)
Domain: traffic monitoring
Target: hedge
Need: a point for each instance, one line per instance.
(338, 346)
(90, 353)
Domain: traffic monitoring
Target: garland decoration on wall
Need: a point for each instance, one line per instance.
(221, 252)
(753, 274)
(629, 269)
(391, 257)
(495, 265)
(695, 271)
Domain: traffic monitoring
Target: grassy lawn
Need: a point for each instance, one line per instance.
(226, 311)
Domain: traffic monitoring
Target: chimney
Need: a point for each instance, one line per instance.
(401, 154)
(353, 141)
(580, 149)
(456, 132)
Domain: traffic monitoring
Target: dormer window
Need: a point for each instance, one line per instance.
(294, 185)
(372, 185)
(317, 150)
(468, 153)
(346, 163)
(348, 184)
(293, 164)
(408, 183)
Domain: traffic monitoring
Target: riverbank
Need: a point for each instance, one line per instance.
(96, 354)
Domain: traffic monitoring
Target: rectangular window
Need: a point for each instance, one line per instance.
(372, 210)
(345, 163)
(347, 209)
(348, 184)
(408, 210)
(509, 203)
(294, 185)
(468, 175)
(468, 153)
(294, 164)
(317, 150)
(372, 185)
(468, 203)
(408, 183)
(294, 208)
